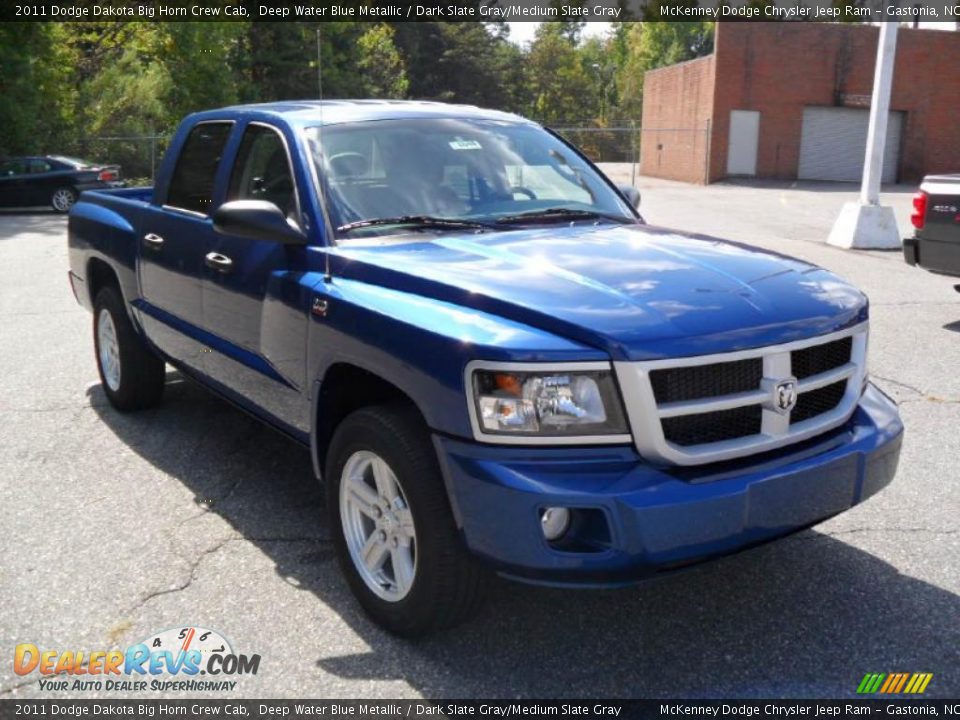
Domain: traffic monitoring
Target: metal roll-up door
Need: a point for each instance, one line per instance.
(833, 141)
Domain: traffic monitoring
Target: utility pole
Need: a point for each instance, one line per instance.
(866, 224)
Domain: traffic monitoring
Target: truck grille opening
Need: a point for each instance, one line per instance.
(698, 410)
(821, 358)
(817, 402)
(687, 430)
(705, 381)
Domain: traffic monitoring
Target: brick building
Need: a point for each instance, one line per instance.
(791, 100)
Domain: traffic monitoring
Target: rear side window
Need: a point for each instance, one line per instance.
(39, 166)
(13, 167)
(262, 171)
(192, 185)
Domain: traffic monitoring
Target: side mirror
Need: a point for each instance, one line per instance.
(630, 194)
(257, 220)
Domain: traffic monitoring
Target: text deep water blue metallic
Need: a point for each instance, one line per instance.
(415, 313)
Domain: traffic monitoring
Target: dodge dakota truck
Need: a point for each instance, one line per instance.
(935, 244)
(496, 364)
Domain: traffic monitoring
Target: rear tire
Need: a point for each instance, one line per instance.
(439, 583)
(63, 199)
(132, 376)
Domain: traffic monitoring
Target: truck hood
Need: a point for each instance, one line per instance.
(637, 292)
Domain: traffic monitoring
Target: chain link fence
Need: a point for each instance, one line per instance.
(138, 156)
(680, 153)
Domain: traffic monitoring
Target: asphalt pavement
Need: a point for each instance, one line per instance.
(116, 527)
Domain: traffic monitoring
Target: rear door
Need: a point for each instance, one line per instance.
(41, 182)
(245, 286)
(173, 239)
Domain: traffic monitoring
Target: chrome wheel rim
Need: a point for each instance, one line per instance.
(378, 526)
(109, 349)
(62, 199)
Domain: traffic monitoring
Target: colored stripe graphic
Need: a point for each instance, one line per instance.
(894, 683)
(918, 683)
(870, 683)
(903, 680)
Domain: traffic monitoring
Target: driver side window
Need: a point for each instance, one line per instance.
(262, 171)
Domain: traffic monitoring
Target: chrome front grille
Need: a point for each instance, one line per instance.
(709, 408)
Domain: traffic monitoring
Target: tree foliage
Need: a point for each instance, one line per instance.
(649, 45)
(66, 85)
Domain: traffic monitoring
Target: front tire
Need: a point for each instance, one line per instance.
(63, 199)
(132, 376)
(392, 526)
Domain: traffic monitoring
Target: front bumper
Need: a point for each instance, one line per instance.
(633, 519)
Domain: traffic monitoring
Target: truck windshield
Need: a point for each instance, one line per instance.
(448, 174)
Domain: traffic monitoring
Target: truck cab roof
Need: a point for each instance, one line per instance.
(331, 112)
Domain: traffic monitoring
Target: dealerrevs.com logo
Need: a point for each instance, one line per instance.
(188, 659)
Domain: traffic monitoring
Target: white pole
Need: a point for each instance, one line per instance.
(866, 224)
(879, 113)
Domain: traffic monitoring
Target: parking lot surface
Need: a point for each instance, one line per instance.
(118, 526)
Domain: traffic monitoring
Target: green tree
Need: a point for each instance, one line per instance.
(379, 63)
(202, 60)
(656, 44)
(465, 62)
(34, 83)
(558, 84)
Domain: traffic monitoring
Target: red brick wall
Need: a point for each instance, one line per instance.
(777, 69)
(677, 102)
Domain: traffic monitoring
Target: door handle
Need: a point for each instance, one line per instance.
(220, 263)
(152, 241)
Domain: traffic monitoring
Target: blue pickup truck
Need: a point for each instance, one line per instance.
(496, 364)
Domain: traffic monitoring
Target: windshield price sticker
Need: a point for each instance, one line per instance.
(459, 144)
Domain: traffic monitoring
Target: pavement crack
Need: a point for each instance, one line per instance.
(198, 561)
(17, 686)
(820, 534)
(924, 397)
(188, 581)
(898, 383)
(300, 539)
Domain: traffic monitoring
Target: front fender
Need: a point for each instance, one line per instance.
(422, 345)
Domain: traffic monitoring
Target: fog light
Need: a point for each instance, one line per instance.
(554, 522)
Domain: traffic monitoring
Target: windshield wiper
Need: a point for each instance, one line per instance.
(558, 213)
(417, 221)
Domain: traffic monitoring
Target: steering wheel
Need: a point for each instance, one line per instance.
(523, 191)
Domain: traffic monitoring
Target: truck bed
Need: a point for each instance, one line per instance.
(935, 245)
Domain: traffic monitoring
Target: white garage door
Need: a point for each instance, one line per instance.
(833, 142)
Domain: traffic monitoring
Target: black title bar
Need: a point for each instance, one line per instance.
(493, 709)
(477, 10)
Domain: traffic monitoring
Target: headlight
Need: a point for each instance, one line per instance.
(544, 403)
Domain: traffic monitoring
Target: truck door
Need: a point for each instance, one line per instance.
(251, 295)
(173, 239)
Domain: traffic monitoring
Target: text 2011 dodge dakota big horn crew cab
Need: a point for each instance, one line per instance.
(495, 363)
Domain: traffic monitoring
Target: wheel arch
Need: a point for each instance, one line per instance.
(100, 274)
(345, 387)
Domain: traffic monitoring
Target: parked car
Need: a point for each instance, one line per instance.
(935, 245)
(54, 180)
(495, 363)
